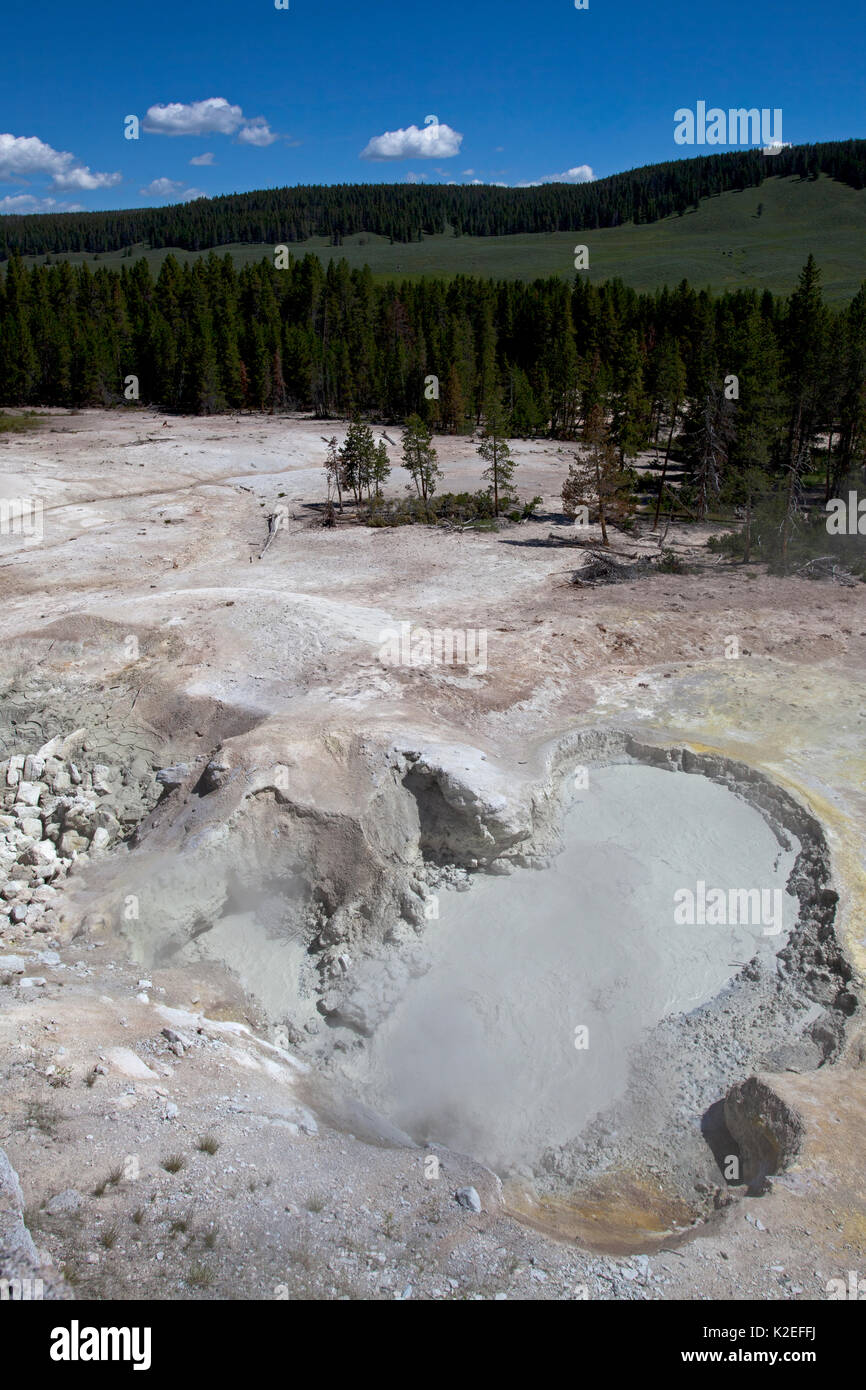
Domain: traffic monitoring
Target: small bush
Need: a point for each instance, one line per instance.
(671, 563)
(43, 1116)
(462, 508)
(109, 1236)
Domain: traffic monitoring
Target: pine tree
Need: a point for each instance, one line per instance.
(486, 338)
(852, 408)
(748, 488)
(671, 392)
(357, 457)
(380, 470)
(453, 402)
(524, 417)
(18, 361)
(419, 457)
(710, 433)
(597, 482)
(806, 342)
(760, 410)
(496, 453)
(334, 472)
(630, 406)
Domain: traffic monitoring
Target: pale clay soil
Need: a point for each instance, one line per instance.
(146, 618)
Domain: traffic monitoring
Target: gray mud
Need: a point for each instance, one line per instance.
(460, 1027)
(481, 1053)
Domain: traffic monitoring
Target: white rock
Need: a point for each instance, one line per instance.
(56, 774)
(72, 843)
(42, 852)
(101, 779)
(34, 766)
(128, 1063)
(173, 776)
(468, 1198)
(30, 792)
(61, 782)
(64, 1203)
(79, 814)
(46, 872)
(51, 748)
(73, 740)
(101, 838)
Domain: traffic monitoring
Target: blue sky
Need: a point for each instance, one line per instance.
(522, 92)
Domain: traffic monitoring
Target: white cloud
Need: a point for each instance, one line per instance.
(202, 158)
(256, 132)
(214, 116)
(28, 202)
(432, 142)
(170, 188)
(81, 177)
(23, 157)
(581, 174)
(161, 188)
(467, 173)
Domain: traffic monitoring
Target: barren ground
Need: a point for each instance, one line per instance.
(146, 619)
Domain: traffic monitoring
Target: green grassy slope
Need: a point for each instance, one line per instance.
(723, 245)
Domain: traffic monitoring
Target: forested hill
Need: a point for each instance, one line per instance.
(405, 212)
